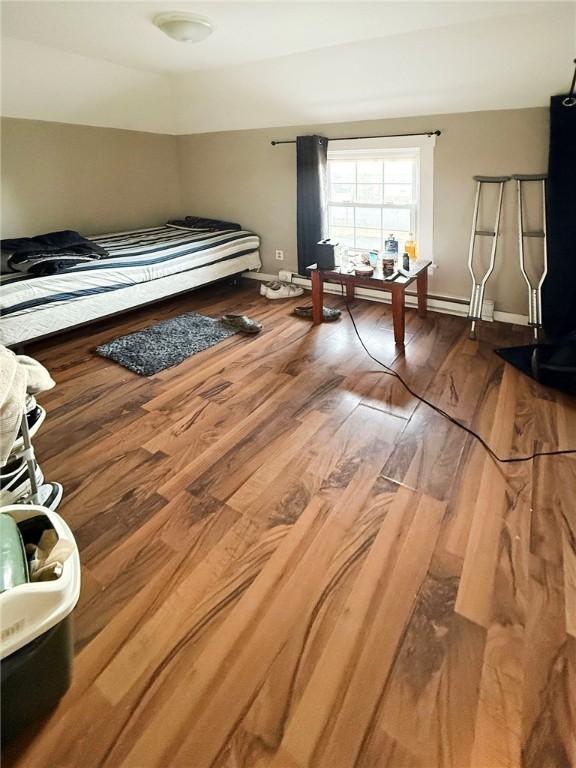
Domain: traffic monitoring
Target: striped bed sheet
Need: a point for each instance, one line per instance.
(138, 256)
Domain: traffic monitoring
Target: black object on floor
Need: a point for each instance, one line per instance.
(551, 364)
(165, 344)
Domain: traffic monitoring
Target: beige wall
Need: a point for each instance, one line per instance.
(61, 176)
(57, 176)
(238, 175)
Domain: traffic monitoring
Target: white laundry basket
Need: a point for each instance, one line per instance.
(36, 641)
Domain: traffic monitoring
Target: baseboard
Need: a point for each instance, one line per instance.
(510, 317)
(448, 305)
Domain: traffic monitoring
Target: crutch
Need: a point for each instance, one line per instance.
(478, 286)
(534, 292)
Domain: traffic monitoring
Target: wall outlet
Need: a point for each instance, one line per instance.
(279, 255)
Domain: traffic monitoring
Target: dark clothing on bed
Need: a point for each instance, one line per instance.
(50, 253)
(197, 222)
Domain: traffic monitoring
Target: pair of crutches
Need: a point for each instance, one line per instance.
(479, 284)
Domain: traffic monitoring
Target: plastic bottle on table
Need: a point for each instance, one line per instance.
(410, 247)
(391, 246)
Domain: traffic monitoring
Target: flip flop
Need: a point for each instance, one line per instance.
(241, 323)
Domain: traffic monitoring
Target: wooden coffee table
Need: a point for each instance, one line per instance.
(418, 273)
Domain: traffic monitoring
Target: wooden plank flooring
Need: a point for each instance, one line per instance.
(288, 562)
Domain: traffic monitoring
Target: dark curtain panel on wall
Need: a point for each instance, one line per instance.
(311, 165)
(559, 289)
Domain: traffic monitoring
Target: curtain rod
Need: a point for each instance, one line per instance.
(352, 138)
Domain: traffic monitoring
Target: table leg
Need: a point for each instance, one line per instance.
(350, 290)
(398, 314)
(317, 303)
(422, 290)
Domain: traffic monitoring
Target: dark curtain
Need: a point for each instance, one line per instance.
(559, 289)
(312, 213)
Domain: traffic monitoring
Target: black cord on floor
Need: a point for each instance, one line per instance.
(391, 372)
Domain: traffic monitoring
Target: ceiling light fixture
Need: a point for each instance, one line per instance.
(184, 27)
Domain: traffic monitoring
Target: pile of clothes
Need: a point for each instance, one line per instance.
(48, 254)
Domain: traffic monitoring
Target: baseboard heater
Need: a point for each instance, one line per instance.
(448, 305)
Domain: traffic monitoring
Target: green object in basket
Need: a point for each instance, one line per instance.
(13, 565)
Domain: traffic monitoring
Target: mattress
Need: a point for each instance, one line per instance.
(135, 257)
(144, 265)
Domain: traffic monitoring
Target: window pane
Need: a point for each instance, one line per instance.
(370, 197)
(369, 217)
(396, 219)
(398, 193)
(368, 193)
(341, 217)
(342, 171)
(370, 171)
(343, 235)
(368, 238)
(342, 193)
(398, 171)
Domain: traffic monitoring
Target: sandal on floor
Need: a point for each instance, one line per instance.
(241, 323)
(328, 314)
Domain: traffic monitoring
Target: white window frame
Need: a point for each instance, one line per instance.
(422, 212)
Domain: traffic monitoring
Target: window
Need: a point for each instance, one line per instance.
(375, 190)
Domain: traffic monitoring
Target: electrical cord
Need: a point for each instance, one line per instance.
(391, 372)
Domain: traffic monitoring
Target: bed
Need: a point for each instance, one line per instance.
(143, 266)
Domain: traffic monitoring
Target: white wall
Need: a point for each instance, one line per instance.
(41, 83)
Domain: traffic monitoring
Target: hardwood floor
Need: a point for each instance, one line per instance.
(290, 563)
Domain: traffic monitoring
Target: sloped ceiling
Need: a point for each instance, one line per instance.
(122, 32)
(272, 64)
